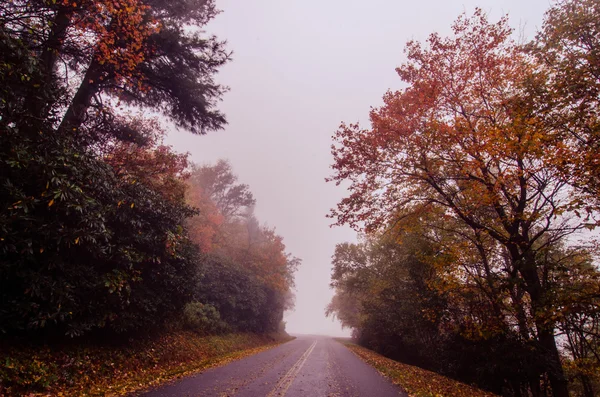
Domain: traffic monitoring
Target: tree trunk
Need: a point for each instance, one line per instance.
(76, 113)
(51, 48)
(588, 389)
(517, 301)
(534, 386)
(545, 329)
(555, 370)
(516, 388)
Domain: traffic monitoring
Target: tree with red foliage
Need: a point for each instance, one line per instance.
(144, 52)
(464, 137)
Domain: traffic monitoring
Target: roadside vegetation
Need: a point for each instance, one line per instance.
(93, 369)
(475, 190)
(415, 381)
(106, 233)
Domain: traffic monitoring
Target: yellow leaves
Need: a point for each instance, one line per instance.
(416, 381)
(120, 203)
(51, 203)
(120, 371)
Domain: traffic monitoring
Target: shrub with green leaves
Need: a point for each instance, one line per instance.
(203, 318)
(82, 246)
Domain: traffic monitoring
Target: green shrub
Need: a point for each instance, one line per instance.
(203, 318)
(32, 373)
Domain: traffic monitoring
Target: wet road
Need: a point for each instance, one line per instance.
(312, 366)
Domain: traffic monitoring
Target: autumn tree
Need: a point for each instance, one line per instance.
(239, 234)
(86, 241)
(567, 86)
(247, 275)
(206, 226)
(149, 162)
(220, 184)
(147, 53)
(465, 139)
(104, 226)
(577, 295)
(382, 295)
(222, 201)
(92, 230)
(417, 296)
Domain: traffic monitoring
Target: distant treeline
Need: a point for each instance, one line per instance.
(476, 189)
(102, 227)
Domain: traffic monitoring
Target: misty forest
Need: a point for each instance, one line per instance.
(473, 191)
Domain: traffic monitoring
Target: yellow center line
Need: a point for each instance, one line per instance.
(284, 384)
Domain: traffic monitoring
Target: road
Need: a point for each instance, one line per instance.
(312, 366)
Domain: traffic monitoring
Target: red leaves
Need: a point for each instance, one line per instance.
(203, 227)
(118, 30)
(152, 163)
(226, 225)
(456, 136)
(468, 140)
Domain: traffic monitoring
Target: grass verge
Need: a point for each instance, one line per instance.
(417, 382)
(87, 370)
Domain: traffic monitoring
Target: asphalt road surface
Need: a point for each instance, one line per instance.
(312, 366)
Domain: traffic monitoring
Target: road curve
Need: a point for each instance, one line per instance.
(314, 366)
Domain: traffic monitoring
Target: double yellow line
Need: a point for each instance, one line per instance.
(284, 384)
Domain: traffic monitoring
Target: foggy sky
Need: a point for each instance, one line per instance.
(299, 68)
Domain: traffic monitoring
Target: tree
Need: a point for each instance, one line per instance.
(382, 294)
(150, 162)
(205, 227)
(96, 227)
(221, 200)
(239, 296)
(464, 138)
(408, 297)
(88, 240)
(220, 184)
(577, 295)
(147, 53)
(248, 275)
(567, 87)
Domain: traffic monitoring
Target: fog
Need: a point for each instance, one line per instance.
(300, 68)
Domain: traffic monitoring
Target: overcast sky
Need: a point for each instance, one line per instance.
(299, 68)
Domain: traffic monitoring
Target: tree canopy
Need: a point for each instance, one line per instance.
(489, 148)
(102, 226)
